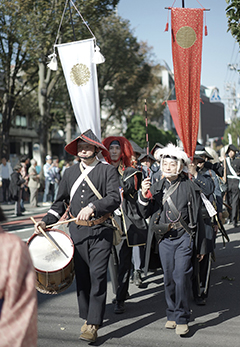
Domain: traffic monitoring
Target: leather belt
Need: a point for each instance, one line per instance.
(92, 222)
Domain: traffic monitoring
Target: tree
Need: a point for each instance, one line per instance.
(14, 59)
(233, 15)
(28, 31)
(126, 69)
(136, 131)
(234, 130)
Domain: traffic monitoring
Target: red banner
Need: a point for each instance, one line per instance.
(172, 105)
(187, 31)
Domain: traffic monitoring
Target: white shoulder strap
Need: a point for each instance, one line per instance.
(79, 180)
(231, 168)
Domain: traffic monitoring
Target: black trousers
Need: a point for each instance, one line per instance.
(124, 267)
(5, 189)
(233, 196)
(92, 250)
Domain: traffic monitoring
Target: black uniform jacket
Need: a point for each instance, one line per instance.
(233, 183)
(153, 207)
(133, 224)
(106, 181)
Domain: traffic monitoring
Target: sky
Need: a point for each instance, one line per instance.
(148, 19)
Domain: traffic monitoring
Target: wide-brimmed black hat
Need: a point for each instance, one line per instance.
(157, 145)
(88, 137)
(137, 149)
(231, 148)
(144, 155)
(198, 157)
(201, 151)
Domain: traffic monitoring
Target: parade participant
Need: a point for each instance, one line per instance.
(156, 153)
(147, 165)
(233, 181)
(91, 237)
(5, 176)
(133, 225)
(201, 274)
(173, 204)
(33, 183)
(18, 298)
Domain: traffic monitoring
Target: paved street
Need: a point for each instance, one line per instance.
(142, 324)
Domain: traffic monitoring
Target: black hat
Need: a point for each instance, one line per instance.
(137, 149)
(156, 146)
(89, 137)
(231, 148)
(144, 155)
(200, 150)
(196, 156)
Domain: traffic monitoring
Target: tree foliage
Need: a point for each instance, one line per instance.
(233, 15)
(136, 131)
(234, 130)
(126, 69)
(28, 30)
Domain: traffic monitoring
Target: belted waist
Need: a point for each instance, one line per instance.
(92, 222)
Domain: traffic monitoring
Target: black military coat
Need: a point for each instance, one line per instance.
(105, 179)
(153, 207)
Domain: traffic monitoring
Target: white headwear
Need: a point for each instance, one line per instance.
(175, 153)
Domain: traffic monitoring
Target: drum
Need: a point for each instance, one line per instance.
(54, 268)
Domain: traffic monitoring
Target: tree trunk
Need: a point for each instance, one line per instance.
(43, 129)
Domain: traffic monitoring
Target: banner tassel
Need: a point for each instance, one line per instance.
(98, 58)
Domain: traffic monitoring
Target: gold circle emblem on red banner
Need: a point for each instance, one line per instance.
(186, 37)
(80, 74)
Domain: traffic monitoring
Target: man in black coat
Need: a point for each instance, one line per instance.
(128, 216)
(233, 183)
(91, 237)
(173, 204)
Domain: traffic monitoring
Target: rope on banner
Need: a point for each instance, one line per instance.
(98, 57)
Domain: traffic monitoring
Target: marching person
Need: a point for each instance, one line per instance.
(233, 183)
(128, 216)
(174, 206)
(92, 238)
(18, 297)
(201, 276)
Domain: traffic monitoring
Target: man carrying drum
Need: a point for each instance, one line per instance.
(91, 234)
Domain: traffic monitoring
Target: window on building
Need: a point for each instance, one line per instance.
(21, 121)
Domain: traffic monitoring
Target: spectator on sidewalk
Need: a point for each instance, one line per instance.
(5, 176)
(49, 181)
(24, 173)
(34, 183)
(55, 172)
(15, 188)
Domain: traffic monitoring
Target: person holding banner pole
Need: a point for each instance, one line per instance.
(174, 206)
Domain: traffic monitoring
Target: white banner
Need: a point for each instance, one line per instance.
(81, 78)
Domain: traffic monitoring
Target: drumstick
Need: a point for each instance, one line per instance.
(47, 237)
(61, 222)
